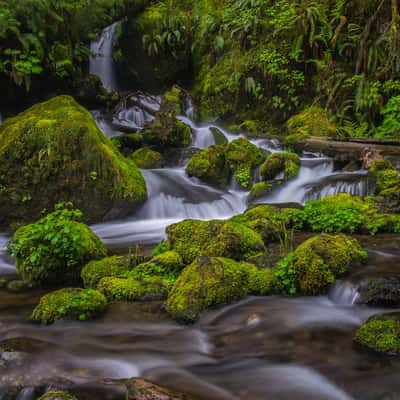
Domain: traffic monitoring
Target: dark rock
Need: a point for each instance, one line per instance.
(382, 292)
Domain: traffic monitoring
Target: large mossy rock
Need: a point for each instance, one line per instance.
(287, 164)
(192, 238)
(54, 249)
(208, 282)
(71, 304)
(54, 152)
(317, 263)
(381, 333)
(147, 158)
(217, 164)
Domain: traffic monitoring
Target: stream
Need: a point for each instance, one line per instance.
(260, 348)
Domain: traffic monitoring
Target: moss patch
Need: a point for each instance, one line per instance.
(208, 282)
(57, 395)
(381, 333)
(284, 163)
(69, 303)
(146, 158)
(192, 239)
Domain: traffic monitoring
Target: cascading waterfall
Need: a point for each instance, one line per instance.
(101, 62)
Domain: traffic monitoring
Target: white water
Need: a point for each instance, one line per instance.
(6, 263)
(344, 293)
(101, 63)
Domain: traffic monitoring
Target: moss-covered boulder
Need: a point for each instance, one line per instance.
(210, 166)
(54, 249)
(166, 131)
(93, 272)
(135, 288)
(71, 304)
(381, 333)
(217, 164)
(208, 282)
(313, 121)
(128, 143)
(218, 136)
(57, 395)
(317, 263)
(192, 238)
(284, 163)
(242, 157)
(54, 152)
(147, 158)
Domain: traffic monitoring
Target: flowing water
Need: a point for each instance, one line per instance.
(260, 348)
(101, 62)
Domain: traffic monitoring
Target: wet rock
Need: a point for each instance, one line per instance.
(140, 389)
(18, 286)
(381, 292)
(57, 395)
(381, 333)
(10, 358)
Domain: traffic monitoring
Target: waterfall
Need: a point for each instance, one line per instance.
(6, 263)
(344, 293)
(101, 62)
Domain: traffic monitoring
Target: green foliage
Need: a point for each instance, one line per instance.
(380, 333)
(390, 127)
(51, 38)
(286, 275)
(161, 248)
(55, 248)
(70, 303)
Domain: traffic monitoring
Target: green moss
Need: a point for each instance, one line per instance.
(57, 395)
(263, 282)
(217, 164)
(55, 248)
(210, 166)
(277, 163)
(381, 333)
(316, 264)
(313, 121)
(175, 97)
(161, 248)
(208, 282)
(55, 152)
(146, 158)
(192, 239)
(167, 265)
(260, 189)
(94, 271)
(69, 303)
(134, 288)
(128, 143)
(386, 176)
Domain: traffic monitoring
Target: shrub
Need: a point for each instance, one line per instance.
(55, 248)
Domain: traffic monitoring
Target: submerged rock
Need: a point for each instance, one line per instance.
(141, 389)
(381, 333)
(208, 282)
(54, 152)
(57, 395)
(69, 303)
